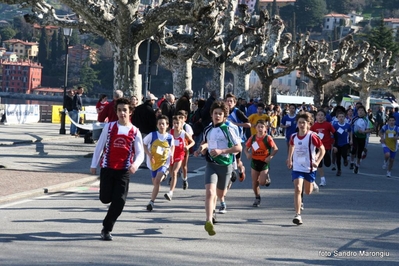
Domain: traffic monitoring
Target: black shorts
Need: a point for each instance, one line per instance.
(326, 159)
(238, 155)
(259, 166)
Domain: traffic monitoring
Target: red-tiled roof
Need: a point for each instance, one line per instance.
(336, 15)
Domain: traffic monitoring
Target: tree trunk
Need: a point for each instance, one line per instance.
(218, 78)
(318, 90)
(182, 76)
(241, 83)
(124, 69)
(137, 84)
(364, 95)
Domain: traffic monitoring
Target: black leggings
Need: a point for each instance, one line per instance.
(341, 152)
(358, 146)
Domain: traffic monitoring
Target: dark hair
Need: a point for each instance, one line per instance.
(222, 105)
(123, 101)
(261, 105)
(362, 107)
(321, 111)
(102, 96)
(291, 104)
(391, 116)
(160, 117)
(182, 112)
(230, 95)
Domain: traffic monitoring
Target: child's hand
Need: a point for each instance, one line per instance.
(152, 159)
(132, 169)
(289, 163)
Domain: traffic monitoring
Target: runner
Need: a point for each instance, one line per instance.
(261, 146)
(303, 160)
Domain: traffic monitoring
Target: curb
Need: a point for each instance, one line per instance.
(48, 190)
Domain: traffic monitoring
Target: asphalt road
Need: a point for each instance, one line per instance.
(352, 221)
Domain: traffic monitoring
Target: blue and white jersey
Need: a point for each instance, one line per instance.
(343, 131)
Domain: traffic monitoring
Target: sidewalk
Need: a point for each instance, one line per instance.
(17, 183)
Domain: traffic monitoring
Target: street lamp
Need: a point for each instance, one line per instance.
(67, 35)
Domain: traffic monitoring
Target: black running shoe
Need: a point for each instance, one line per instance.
(106, 235)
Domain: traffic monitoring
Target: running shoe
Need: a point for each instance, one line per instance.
(214, 217)
(209, 228)
(388, 174)
(364, 154)
(346, 163)
(106, 235)
(333, 168)
(268, 180)
(185, 184)
(222, 209)
(256, 203)
(323, 182)
(150, 206)
(315, 187)
(351, 166)
(168, 196)
(384, 165)
(233, 177)
(302, 206)
(339, 173)
(297, 219)
(356, 169)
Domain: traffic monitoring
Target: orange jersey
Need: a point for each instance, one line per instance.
(260, 151)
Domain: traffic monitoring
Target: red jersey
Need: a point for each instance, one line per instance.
(324, 130)
(118, 152)
(180, 144)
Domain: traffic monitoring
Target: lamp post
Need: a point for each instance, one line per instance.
(67, 34)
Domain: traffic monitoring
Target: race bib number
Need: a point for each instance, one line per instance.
(255, 146)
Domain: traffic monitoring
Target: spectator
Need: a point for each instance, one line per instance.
(102, 102)
(380, 119)
(183, 103)
(206, 111)
(69, 100)
(168, 107)
(108, 114)
(144, 115)
(77, 106)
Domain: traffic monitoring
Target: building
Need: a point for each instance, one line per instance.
(10, 56)
(286, 83)
(333, 20)
(20, 77)
(80, 54)
(37, 30)
(24, 50)
(392, 23)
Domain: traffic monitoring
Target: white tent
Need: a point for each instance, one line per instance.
(294, 99)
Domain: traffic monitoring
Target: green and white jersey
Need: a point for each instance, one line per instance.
(220, 136)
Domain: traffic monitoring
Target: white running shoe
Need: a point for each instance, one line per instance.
(297, 219)
(384, 165)
(323, 182)
(315, 187)
(388, 174)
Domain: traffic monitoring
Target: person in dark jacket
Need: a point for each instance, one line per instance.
(108, 114)
(69, 100)
(144, 116)
(183, 103)
(77, 106)
(206, 111)
(168, 108)
(380, 119)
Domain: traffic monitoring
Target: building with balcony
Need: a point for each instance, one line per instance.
(19, 77)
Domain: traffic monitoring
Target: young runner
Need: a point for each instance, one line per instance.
(159, 147)
(120, 149)
(342, 140)
(220, 142)
(263, 149)
(182, 142)
(324, 130)
(304, 160)
(389, 135)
